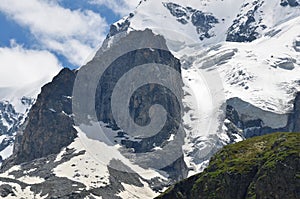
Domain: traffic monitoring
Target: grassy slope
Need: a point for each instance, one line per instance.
(261, 167)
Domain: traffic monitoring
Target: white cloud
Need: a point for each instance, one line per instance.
(73, 33)
(20, 67)
(73, 49)
(120, 7)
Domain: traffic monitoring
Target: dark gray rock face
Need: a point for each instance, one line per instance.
(142, 99)
(49, 125)
(203, 22)
(297, 44)
(250, 121)
(120, 26)
(246, 30)
(177, 170)
(6, 190)
(294, 118)
(292, 3)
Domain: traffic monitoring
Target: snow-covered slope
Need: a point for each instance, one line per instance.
(211, 21)
(264, 73)
(187, 21)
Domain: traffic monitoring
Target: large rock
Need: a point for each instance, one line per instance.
(203, 21)
(143, 98)
(246, 27)
(292, 3)
(294, 118)
(249, 121)
(49, 125)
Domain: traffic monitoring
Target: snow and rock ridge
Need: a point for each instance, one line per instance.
(245, 49)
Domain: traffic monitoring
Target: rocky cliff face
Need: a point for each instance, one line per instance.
(247, 26)
(49, 125)
(292, 3)
(294, 118)
(248, 121)
(49, 130)
(202, 21)
(142, 99)
(132, 65)
(261, 167)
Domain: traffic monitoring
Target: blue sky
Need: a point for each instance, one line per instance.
(69, 30)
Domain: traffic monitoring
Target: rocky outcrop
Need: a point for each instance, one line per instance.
(294, 117)
(51, 186)
(246, 27)
(292, 3)
(120, 26)
(203, 21)
(6, 190)
(248, 121)
(296, 44)
(49, 125)
(142, 99)
(261, 167)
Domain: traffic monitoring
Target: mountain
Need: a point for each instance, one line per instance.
(173, 83)
(236, 56)
(260, 167)
(18, 93)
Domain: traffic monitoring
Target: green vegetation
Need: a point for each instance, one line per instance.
(265, 150)
(261, 167)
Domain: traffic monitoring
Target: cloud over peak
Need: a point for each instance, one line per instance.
(20, 66)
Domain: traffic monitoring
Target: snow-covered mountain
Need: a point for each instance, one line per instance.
(244, 49)
(10, 123)
(239, 77)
